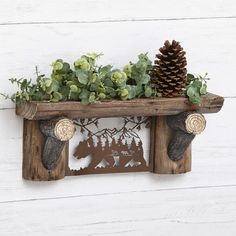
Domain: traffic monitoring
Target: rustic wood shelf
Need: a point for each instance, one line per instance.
(49, 126)
(34, 110)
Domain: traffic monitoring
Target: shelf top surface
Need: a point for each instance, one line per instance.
(36, 110)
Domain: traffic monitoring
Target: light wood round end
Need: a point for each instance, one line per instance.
(64, 129)
(195, 123)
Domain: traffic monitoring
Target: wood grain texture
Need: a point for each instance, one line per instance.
(27, 11)
(115, 108)
(162, 163)
(33, 143)
(197, 211)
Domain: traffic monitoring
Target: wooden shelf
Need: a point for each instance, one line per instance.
(34, 110)
(49, 126)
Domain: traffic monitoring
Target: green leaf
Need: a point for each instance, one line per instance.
(191, 91)
(111, 92)
(57, 96)
(102, 95)
(193, 95)
(132, 91)
(55, 85)
(105, 69)
(124, 92)
(26, 96)
(48, 83)
(203, 89)
(196, 84)
(139, 90)
(195, 99)
(69, 83)
(92, 97)
(73, 96)
(148, 91)
(73, 88)
(94, 87)
(82, 63)
(84, 94)
(57, 65)
(23, 85)
(190, 77)
(82, 76)
(145, 79)
(108, 82)
(128, 70)
(94, 55)
(85, 101)
(66, 67)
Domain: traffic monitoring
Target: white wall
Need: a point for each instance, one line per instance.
(202, 202)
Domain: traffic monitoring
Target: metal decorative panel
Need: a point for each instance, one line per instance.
(103, 149)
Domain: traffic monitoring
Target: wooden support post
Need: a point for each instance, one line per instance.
(173, 137)
(45, 157)
(162, 163)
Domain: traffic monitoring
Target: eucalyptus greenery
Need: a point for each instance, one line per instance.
(87, 82)
(197, 86)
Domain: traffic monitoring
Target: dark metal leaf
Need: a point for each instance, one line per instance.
(139, 118)
(96, 123)
(148, 125)
(82, 130)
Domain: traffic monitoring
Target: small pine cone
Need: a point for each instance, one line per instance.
(169, 73)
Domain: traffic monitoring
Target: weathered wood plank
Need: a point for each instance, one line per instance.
(137, 107)
(151, 213)
(26, 11)
(162, 163)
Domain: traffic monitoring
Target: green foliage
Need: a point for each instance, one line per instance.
(138, 78)
(197, 86)
(87, 82)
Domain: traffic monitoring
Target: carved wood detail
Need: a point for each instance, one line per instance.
(57, 131)
(185, 125)
(33, 143)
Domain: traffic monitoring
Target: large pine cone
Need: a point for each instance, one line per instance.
(169, 73)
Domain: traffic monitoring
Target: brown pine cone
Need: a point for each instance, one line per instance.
(169, 71)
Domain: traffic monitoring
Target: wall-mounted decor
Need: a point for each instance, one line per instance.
(162, 97)
(173, 123)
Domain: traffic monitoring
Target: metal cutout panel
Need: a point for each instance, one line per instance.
(98, 148)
